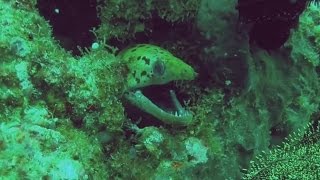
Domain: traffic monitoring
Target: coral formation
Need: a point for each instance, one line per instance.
(70, 102)
(123, 19)
(297, 159)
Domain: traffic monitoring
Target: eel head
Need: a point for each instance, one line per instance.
(151, 65)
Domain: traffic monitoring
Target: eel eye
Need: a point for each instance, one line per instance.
(159, 68)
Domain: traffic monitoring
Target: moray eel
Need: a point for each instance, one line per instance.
(151, 65)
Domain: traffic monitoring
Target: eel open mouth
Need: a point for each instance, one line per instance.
(179, 116)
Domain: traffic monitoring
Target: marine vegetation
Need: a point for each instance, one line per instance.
(170, 89)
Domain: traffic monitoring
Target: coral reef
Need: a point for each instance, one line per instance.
(297, 158)
(123, 19)
(72, 107)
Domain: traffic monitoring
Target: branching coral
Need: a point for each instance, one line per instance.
(298, 158)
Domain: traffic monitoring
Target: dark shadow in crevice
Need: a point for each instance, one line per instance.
(71, 21)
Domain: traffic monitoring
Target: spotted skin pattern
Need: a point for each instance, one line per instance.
(151, 65)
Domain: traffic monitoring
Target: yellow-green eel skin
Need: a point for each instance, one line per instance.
(152, 65)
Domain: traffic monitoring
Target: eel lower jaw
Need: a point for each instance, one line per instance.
(178, 117)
